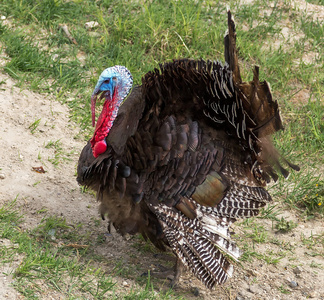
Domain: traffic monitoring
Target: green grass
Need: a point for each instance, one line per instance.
(56, 257)
(284, 290)
(59, 154)
(34, 126)
(314, 242)
(45, 262)
(285, 226)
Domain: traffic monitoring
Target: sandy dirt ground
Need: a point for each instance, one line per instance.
(58, 193)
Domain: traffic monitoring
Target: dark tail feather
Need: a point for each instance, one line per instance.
(272, 160)
(262, 112)
(291, 165)
(231, 56)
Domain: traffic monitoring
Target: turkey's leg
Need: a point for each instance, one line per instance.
(178, 269)
(172, 274)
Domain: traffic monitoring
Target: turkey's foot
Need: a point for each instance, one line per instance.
(165, 256)
(172, 274)
(178, 268)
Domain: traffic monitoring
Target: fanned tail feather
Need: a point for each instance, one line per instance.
(201, 243)
(261, 111)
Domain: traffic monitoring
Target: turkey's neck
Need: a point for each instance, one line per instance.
(104, 124)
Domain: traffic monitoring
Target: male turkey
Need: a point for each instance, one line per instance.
(185, 156)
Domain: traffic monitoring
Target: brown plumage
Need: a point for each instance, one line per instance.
(188, 154)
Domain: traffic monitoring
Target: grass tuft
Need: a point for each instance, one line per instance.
(285, 226)
(34, 126)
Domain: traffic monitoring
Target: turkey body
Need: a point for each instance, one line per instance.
(187, 155)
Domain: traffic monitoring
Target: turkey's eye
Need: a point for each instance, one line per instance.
(107, 81)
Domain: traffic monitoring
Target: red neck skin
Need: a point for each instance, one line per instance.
(103, 126)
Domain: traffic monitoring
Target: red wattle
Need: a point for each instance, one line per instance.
(104, 124)
(99, 148)
(105, 113)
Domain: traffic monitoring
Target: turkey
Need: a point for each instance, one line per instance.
(184, 156)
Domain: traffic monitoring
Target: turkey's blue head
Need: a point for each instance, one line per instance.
(113, 85)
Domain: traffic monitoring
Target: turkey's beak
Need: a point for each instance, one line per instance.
(93, 108)
(94, 96)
